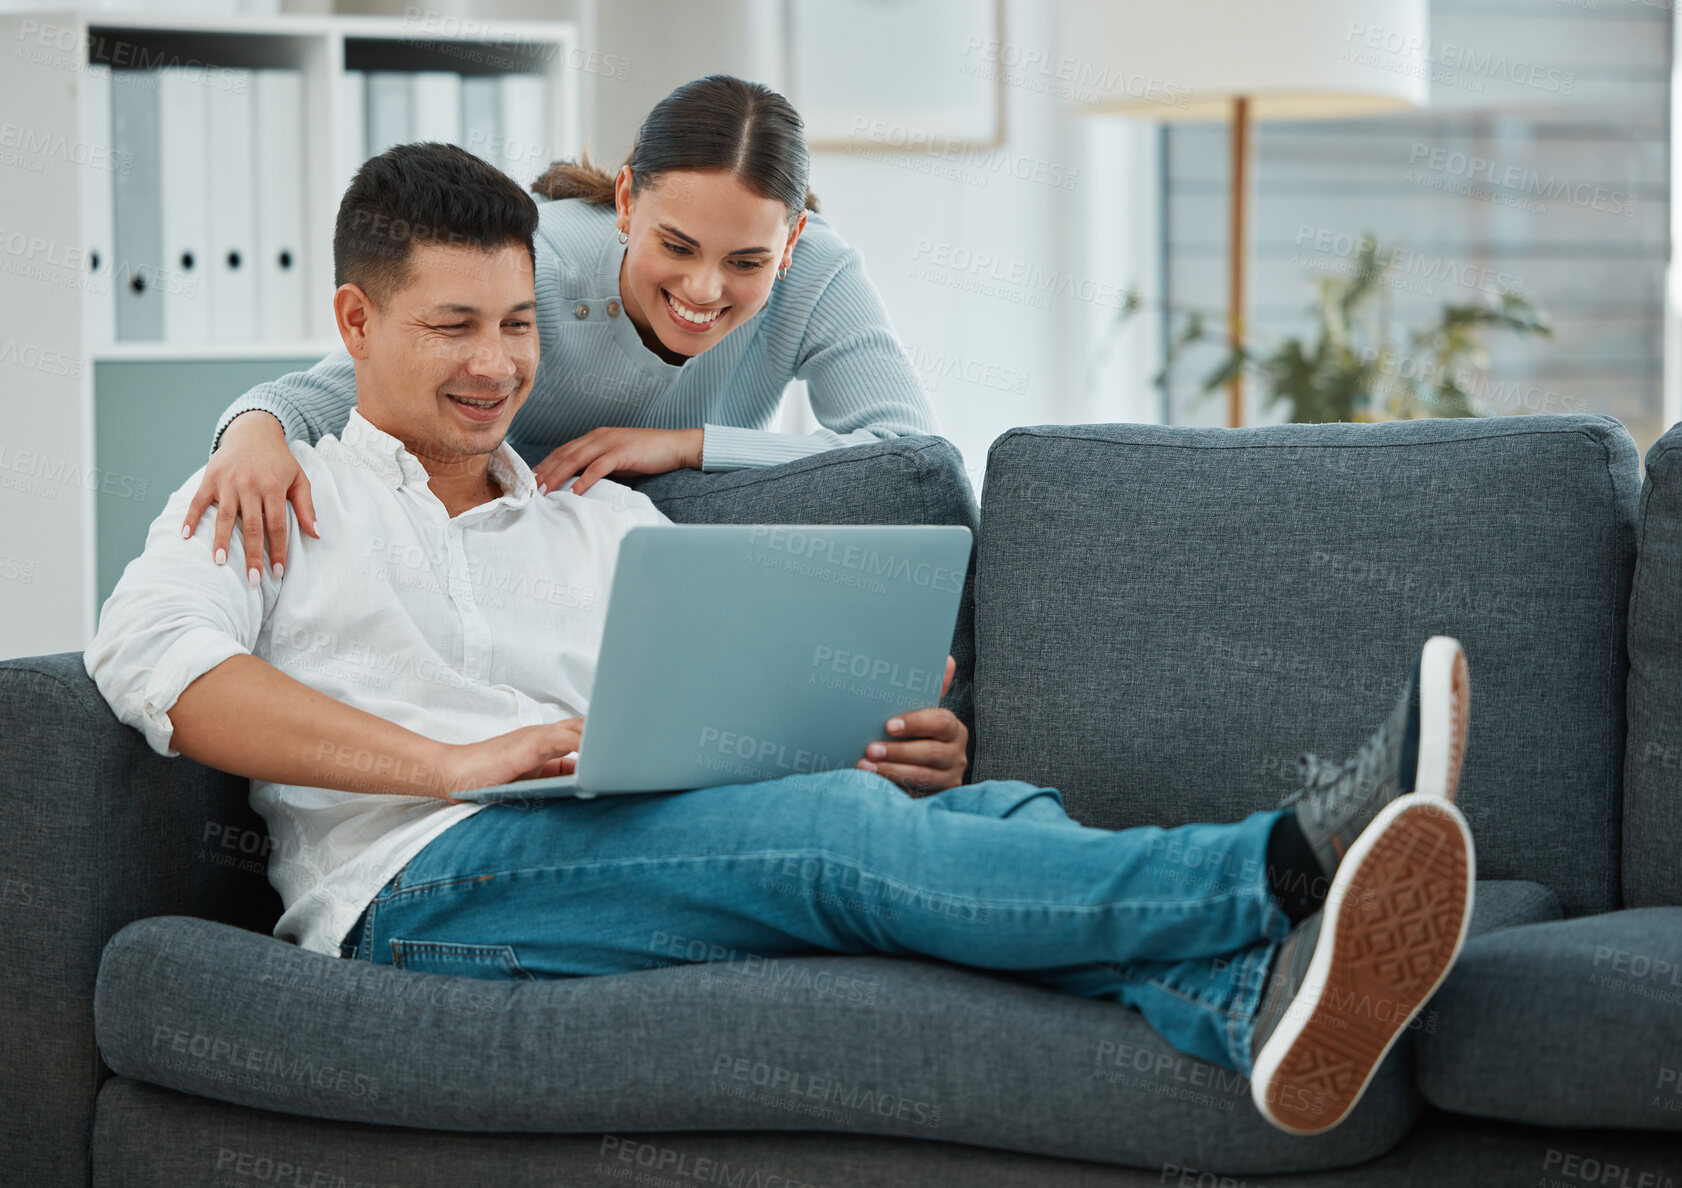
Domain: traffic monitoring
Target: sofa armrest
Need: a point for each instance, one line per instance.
(96, 830)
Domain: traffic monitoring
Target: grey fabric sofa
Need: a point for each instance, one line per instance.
(1156, 622)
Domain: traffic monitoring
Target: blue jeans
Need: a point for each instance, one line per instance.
(1177, 923)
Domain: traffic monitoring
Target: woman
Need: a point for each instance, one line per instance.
(675, 302)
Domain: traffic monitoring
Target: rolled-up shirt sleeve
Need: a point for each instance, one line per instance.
(174, 615)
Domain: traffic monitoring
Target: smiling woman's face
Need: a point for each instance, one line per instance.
(703, 252)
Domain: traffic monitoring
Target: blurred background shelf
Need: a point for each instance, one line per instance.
(100, 431)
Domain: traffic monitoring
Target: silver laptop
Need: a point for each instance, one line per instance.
(733, 654)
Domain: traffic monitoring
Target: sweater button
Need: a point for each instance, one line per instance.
(612, 309)
(581, 311)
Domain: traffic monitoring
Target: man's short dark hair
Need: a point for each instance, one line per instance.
(424, 193)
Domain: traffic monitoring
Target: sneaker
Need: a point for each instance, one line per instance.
(1418, 749)
(1352, 977)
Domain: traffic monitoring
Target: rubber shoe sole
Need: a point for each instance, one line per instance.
(1395, 920)
(1445, 688)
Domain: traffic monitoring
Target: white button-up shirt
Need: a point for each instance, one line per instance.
(458, 629)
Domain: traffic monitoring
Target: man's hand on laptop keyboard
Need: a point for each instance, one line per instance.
(928, 751)
(529, 753)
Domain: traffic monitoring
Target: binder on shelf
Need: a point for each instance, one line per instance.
(525, 151)
(99, 309)
(137, 223)
(353, 128)
(281, 293)
(184, 198)
(481, 117)
(390, 106)
(233, 212)
(437, 110)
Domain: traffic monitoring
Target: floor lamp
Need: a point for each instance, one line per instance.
(1242, 61)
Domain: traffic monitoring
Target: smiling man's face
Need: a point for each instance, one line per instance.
(445, 361)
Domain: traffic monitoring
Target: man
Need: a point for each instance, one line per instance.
(441, 635)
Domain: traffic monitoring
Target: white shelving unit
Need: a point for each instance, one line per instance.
(51, 483)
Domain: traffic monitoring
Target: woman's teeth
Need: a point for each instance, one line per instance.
(689, 315)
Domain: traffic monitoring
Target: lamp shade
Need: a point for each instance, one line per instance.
(1292, 59)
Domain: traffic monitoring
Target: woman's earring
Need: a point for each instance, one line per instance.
(624, 238)
(782, 272)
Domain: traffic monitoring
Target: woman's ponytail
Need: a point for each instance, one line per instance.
(714, 123)
(582, 178)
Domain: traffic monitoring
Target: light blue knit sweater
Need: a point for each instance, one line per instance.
(823, 323)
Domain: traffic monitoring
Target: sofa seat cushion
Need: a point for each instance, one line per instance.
(146, 1137)
(1505, 903)
(1570, 1023)
(872, 1045)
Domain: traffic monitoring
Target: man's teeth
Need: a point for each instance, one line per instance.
(689, 316)
(478, 403)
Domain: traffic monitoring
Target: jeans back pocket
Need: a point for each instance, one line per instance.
(458, 960)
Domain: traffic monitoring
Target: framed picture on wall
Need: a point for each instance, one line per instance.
(913, 75)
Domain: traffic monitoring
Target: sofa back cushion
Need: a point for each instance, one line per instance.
(1653, 760)
(1167, 617)
(905, 480)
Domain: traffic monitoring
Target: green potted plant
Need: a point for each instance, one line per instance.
(1355, 370)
